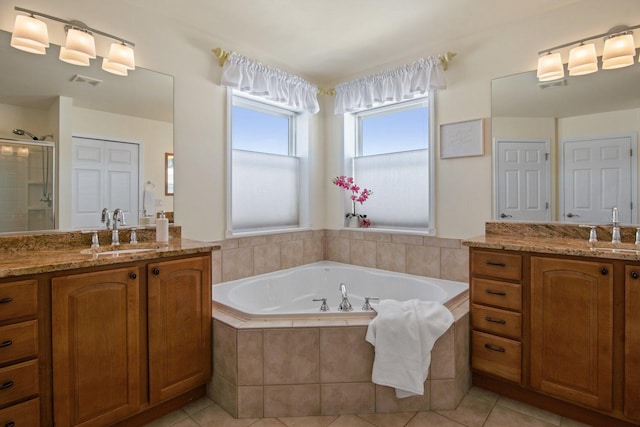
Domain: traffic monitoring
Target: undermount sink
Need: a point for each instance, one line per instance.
(117, 252)
(616, 250)
(96, 252)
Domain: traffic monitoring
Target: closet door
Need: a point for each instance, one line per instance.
(105, 174)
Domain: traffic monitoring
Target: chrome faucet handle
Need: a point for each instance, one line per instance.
(593, 234)
(95, 243)
(367, 306)
(324, 306)
(637, 236)
(133, 238)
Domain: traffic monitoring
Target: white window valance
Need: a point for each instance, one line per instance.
(396, 85)
(247, 75)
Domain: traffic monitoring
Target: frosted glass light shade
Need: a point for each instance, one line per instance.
(550, 67)
(583, 60)
(81, 42)
(73, 57)
(29, 34)
(23, 152)
(28, 46)
(618, 52)
(122, 54)
(6, 150)
(112, 68)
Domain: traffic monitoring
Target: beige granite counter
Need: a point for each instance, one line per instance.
(43, 253)
(556, 238)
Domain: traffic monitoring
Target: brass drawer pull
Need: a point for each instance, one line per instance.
(499, 293)
(6, 385)
(6, 343)
(494, 348)
(491, 319)
(496, 264)
(6, 300)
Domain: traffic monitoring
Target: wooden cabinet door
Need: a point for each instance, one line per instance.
(632, 342)
(572, 330)
(96, 347)
(179, 305)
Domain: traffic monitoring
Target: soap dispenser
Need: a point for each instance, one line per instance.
(162, 228)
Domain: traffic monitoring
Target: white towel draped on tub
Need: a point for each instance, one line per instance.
(403, 334)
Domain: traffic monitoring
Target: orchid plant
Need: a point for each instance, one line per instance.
(357, 195)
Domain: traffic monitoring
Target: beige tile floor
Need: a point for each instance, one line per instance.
(479, 408)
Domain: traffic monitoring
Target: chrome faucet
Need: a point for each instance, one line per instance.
(615, 232)
(118, 215)
(345, 305)
(106, 217)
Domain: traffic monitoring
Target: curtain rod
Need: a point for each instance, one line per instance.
(223, 55)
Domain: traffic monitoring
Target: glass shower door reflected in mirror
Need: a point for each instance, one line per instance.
(27, 200)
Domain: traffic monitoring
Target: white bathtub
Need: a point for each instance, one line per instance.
(288, 293)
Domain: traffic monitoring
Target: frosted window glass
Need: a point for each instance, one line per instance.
(400, 183)
(264, 191)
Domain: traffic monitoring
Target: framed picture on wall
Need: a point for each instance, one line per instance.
(462, 139)
(168, 174)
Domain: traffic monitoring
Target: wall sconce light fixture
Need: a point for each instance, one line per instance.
(31, 35)
(619, 51)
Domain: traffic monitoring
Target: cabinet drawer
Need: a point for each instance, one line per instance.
(496, 264)
(22, 414)
(496, 321)
(18, 341)
(18, 299)
(500, 357)
(499, 294)
(18, 381)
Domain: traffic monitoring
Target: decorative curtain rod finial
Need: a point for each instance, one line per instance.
(330, 92)
(445, 59)
(222, 55)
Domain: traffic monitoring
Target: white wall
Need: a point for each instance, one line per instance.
(463, 185)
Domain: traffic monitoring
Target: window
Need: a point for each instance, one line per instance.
(392, 157)
(267, 164)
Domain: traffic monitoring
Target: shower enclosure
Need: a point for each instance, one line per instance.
(27, 185)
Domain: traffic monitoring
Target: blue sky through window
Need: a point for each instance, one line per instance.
(402, 130)
(259, 131)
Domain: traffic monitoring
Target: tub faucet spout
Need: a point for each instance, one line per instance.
(345, 305)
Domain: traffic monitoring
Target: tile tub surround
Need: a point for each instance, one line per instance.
(311, 367)
(405, 253)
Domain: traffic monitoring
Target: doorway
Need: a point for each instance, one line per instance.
(598, 174)
(522, 181)
(105, 174)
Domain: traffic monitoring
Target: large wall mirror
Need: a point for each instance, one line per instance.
(566, 150)
(110, 135)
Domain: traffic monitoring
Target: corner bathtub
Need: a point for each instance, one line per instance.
(277, 355)
(290, 293)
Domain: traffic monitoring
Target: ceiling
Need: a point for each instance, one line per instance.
(329, 41)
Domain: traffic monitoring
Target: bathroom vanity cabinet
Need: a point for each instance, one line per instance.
(578, 350)
(21, 357)
(128, 338)
(120, 341)
(496, 318)
(572, 329)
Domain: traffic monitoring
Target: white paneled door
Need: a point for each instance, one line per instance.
(598, 174)
(105, 175)
(522, 180)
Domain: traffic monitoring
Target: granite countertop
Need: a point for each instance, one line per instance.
(557, 239)
(42, 260)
